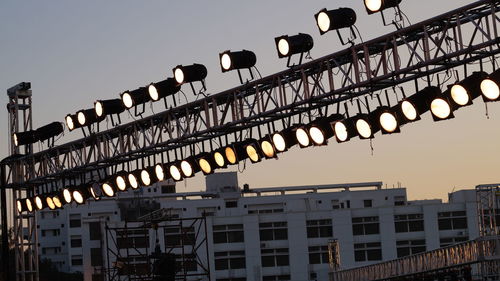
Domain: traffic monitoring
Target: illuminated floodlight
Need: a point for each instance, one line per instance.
(87, 117)
(219, 158)
(411, 108)
(267, 147)
(175, 172)
(135, 97)
(109, 189)
(253, 150)
(296, 44)
(374, 6)
(387, 119)
(163, 89)
(230, 60)
(206, 163)
(365, 126)
(189, 73)
(327, 20)
(103, 108)
(490, 87)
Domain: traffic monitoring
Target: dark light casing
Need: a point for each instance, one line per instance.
(50, 130)
(288, 135)
(23, 138)
(90, 117)
(392, 111)
(297, 44)
(74, 121)
(472, 84)
(338, 18)
(385, 4)
(349, 126)
(238, 60)
(420, 102)
(223, 155)
(373, 124)
(495, 77)
(446, 97)
(191, 161)
(139, 96)
(268, 139)
(192, 73)
(164, 88)
(253, 145)
(209, 161)
(112, 106)
(323, 124)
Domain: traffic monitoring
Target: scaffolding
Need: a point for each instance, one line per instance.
(488, 204)
(133, 247)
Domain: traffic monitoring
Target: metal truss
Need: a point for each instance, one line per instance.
(299, 94)
(24, 225)
(136, 262)
(481, 257)
(488, 196)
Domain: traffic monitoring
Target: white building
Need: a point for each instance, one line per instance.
(259, 234)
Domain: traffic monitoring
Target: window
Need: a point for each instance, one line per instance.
(95, 230)
(76, 260)
(266, 208)
(165, 189)
(96, 257)
(231, 233)
(410, 247)
(178, 236)
(367, 252)
(75, 220)
(335, 204)
(367, 203)
(409, 223)
(319, 228)
(399, 201)
(229, 260)
(133, 238)
(445, 242)
(51, 250)
(50, 232)
(273, 231)
(274, 257)
(276, 277)
(365, 226)
(318, 254)
(452, 220)
(231, 204)
(76, 241)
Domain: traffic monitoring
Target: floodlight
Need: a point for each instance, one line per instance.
(56, 198)
(49, 202)
(175, 172)
(303, 137)
(49, 131)
(411, 108)
(148, 176)
(465, 91)
(189, 167)
(72, 122)
(189, 73)
(109, 189)
(387, 119)
(22, 205)
(206, 163)
(365, 126)
(120, 180)
(320, 130)
(66, 195)
(134, 178)
(253, 150)
(93, 189)
(39, 202)
(87, 117)
(236, 151)
(489, 87)
(374, 6)
(219, 158)
(327, 20)
(160, 172)
(29, 204)
(81, 194)
(441, 107)
(237, 60)
(285, 139)
(135, 97)
(344, 129)
(296, 44)
(163, 89)
(108, 107)
(23, 138)
(267, 147)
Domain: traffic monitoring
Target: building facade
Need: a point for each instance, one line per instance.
(252, 234)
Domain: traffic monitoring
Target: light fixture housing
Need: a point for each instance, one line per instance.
(134, 179)
(163, 89)
(87, 117)
(285, 139)
(175, 171)
(57, 199)
(148, 176)
(236, 152)
(29, 204)
(80, 194)
(375, 6)
(189, 73)
(365, 126)
(49, 131)
(108, 188)
(108, 107)
(66, 195)
(236, 60)
(320, 130)
(464, 92)
(135, 97)
(220, 158)
(206, 163)
(253, 150)
(49, 202)
(442, 107)
(490, 87)
(267, 147)
(296, 44)
(302, 136)
(344, 129)
(39, 202)
(23, 138)
(327, 20)
(189, 167)
(95, 191)
(120, 180)
(72, 122)
(411, 108)
(21, 205)
(387, 119)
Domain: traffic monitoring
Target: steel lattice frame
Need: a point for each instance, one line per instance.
(457, 38)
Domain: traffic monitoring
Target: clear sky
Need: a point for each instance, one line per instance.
(75, 52)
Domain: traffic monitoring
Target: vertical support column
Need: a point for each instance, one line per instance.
(25, 232)
(5, 228)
